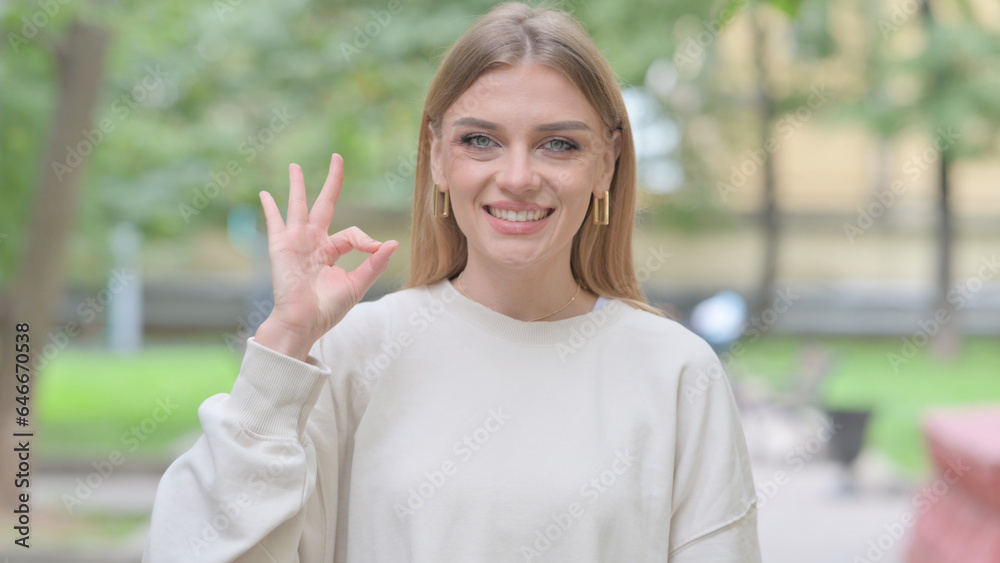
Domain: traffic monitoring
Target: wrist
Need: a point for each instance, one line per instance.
(274, 335)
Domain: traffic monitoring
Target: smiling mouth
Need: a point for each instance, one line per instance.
(518, 216)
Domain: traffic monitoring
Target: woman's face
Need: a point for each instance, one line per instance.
(521, 152)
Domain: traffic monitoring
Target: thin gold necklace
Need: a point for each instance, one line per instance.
(462, 289)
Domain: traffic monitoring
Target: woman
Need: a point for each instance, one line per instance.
(518, 400)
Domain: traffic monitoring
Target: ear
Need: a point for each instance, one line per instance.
(437, 160)
(609, 159)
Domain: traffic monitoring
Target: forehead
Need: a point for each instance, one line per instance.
(523, 93)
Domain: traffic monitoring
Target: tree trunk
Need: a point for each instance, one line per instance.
(769, 209)
(947, 341)
(945, 234)
(38, 284)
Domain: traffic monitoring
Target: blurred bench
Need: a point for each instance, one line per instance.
(958, 512)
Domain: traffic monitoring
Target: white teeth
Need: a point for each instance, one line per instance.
(517, 216)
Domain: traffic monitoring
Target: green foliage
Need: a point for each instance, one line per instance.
(810, 28)
(950, 83)
(789, 7)
(24, 118)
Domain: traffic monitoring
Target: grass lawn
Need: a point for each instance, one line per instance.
(87, 401)
(863, 376)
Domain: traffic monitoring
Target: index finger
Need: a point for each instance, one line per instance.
(322, 211)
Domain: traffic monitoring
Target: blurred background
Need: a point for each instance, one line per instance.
(820, 198)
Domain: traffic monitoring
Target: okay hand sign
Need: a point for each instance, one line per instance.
(311, 293)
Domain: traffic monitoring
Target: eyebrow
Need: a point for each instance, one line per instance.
(557, 126)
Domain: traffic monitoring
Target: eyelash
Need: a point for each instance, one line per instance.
(466, 140)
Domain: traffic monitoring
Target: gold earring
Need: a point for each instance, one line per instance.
(598, 220)
(445, 206)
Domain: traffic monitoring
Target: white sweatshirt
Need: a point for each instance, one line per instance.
(426, 427)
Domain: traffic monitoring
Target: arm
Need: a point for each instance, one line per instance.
(714, 504)
(244, 487)
(240, 491)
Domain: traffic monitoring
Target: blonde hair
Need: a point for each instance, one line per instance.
(508, 34)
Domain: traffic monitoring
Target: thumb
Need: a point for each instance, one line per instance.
(364, 276)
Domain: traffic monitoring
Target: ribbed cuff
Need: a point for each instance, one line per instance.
(275, 393)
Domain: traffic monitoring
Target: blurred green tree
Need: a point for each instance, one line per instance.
(944, 88)
(697, 58)
(948, 89)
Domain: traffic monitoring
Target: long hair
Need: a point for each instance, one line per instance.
(508, 34)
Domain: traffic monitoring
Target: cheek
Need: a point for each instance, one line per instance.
(576, 183)
(575, 200)
(582, 173)
(461, 179)
(460, 168)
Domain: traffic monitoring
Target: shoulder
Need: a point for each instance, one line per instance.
(372, 318)
(658, 334)
(366, 328)
(664, 349)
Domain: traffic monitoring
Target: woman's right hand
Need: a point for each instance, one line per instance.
(312, 293)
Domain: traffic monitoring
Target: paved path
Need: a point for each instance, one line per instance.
(807, 522)
(122, 492)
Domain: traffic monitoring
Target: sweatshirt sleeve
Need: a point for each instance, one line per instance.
(714, 503)
(240, 493)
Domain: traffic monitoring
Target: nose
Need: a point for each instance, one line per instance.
(517, 173)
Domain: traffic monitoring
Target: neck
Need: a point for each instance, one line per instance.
(526, 294)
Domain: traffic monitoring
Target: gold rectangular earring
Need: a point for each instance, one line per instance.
(606, 200)
(445, 207)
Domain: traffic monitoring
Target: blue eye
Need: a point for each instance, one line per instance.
(477, 141)
(561, 145)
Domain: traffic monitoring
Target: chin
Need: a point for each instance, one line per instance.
(519, 254)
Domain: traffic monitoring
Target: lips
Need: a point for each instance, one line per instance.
(518, 216)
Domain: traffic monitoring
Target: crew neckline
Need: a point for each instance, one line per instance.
(517, 331)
